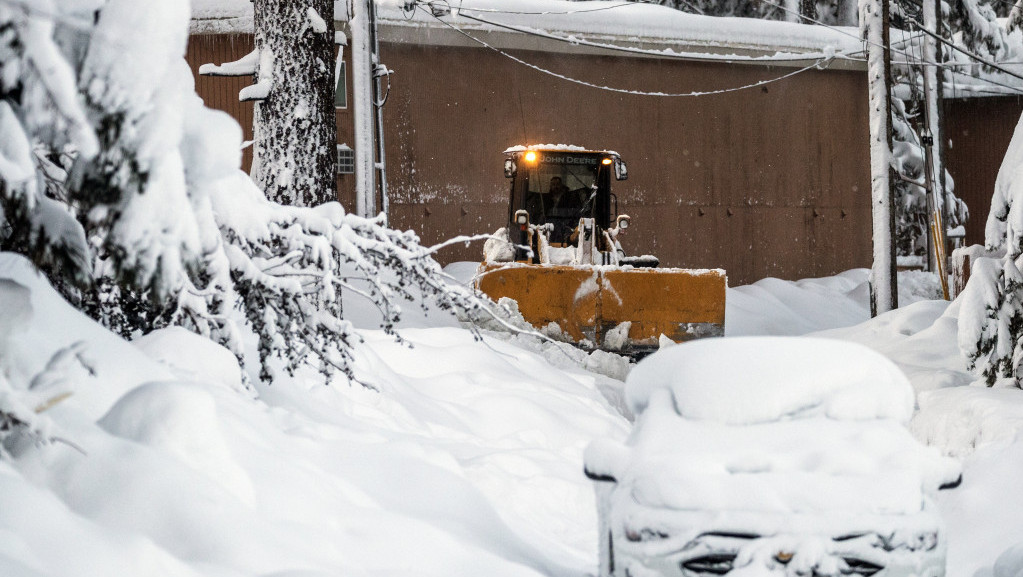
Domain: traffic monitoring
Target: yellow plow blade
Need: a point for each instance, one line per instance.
(593, 303)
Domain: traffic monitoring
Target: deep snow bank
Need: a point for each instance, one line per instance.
(468, 462)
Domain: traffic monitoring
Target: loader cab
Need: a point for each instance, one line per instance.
(559, 186)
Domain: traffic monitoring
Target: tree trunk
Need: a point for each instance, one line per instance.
(808, 11)
(295, 154)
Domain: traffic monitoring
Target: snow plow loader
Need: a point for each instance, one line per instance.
(560, 258)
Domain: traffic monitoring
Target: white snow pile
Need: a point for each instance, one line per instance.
(746, 381)
(467, 462)
(800, 441)
(979, 425)
(715, 416)
(779, 307)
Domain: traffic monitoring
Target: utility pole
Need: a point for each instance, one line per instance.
(931, 138)
(884, 294)
(367, 105)
(933, 94)
(362, 108)
(379, 71)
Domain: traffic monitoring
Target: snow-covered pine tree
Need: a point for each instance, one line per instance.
(42, 122)
(976, 25)
(177, 234)
(991, 313)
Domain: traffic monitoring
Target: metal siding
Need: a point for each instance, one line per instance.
(221, 92)
(769, 154)
(978, 133)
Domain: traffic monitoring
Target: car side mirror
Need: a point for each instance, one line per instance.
(509, 168)
(621, 171)
(599, 476)
(605, 460)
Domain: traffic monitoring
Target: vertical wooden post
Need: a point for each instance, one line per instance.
(884, 294)
(362, 108)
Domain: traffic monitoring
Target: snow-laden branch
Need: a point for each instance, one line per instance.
(244, 66)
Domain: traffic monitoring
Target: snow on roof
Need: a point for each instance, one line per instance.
(649, 26)
(632, 22)
(750, 380)
(221, 16)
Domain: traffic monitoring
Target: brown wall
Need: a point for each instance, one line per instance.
(222, 92)
(769, 181)
(772, 181)
(979, 131)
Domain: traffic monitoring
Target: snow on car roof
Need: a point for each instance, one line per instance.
(778, 425)
(557, 147)
(760, 379)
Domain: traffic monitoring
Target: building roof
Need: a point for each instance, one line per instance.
(630, 24)
(602, 25)
(221, 16)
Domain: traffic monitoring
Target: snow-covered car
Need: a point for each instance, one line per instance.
(769, 456)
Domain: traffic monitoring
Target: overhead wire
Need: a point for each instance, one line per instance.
(821, 64)
(925, 32)
(660, 54)
(546, 12)
(1016, 89)
(551, 12)
(838, 30)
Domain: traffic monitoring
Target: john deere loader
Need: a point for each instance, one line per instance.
(560, 258)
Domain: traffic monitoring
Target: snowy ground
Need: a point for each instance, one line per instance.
(466, 462)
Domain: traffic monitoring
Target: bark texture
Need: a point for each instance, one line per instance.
(295, 155)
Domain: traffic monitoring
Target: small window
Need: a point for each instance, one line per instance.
(341, 90)
(345, 159)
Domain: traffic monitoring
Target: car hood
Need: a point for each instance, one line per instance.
(800, 465)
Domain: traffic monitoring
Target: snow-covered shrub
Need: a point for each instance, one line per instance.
(115, 178)
(991, 317)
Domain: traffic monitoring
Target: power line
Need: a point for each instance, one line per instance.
(630, 3)
(707, 58)
(823, 63)
(909, 57)
(842, 32)
(1016, 89)
(547, 12)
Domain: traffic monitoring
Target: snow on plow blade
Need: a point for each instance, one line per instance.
(593, 303)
